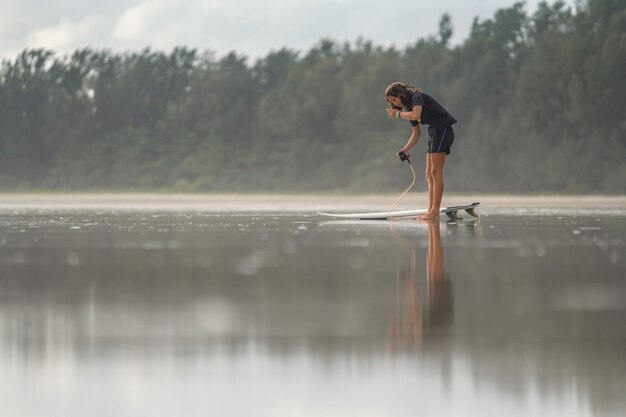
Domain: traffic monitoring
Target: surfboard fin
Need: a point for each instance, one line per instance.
(453, 215)
(472, 212)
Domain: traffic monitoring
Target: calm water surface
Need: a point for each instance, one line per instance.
(288, 314)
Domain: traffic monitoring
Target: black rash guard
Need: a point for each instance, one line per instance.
(433, 113)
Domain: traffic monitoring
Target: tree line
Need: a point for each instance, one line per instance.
(540, 97)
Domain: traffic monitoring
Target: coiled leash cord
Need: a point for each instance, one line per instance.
(404, 157)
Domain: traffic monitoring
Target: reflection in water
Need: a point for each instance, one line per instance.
(439, 287)
(523, 315)
(407, 327)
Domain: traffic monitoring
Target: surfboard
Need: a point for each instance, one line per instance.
(451, 212)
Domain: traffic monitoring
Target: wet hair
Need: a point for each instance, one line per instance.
(405, 92)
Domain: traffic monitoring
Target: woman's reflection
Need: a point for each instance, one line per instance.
(412, 321)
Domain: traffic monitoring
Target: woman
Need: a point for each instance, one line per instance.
(410, 103)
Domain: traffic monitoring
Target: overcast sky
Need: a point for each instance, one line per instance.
(252, 27)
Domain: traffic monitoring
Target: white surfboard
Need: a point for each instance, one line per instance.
(451, 212)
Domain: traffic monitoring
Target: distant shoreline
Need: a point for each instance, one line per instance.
(285, 202)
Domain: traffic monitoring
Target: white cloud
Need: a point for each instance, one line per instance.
(65, 35)
(252, 27)
(247, 26)
(138, 21)
(213, 24)
(162, 23)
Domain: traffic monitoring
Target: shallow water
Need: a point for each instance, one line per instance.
(288, 314)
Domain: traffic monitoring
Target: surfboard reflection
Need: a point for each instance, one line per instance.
(417, 318)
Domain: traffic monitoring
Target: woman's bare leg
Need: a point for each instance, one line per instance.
(429, 180)
(437, 161)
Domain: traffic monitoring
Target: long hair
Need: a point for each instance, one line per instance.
(405, 92)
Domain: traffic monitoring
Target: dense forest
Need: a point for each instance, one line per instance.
(540, 97)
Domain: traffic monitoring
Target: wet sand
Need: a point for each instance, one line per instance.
(282, 202)
(221, 308)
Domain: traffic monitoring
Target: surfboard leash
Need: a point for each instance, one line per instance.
(404, 157)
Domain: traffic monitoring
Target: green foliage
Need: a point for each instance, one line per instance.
(540, 98)
(445, 29)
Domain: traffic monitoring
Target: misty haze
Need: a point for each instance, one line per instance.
(215, 209)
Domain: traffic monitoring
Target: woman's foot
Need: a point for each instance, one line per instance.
(429, 216)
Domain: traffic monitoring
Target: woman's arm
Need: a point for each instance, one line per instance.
(414, 114)
(415, 136)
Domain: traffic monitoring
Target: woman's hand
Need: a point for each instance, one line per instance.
(393, 113)
(401, 152)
